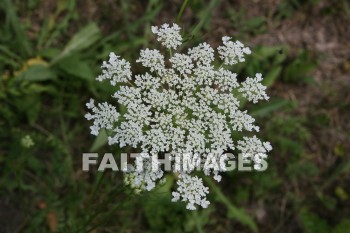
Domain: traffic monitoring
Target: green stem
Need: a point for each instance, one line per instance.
(197, 222)
(107, 216)
(233, 211)
(183, 6)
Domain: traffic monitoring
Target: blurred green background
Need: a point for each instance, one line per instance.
(50, 53)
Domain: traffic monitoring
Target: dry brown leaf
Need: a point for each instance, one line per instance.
(52, 221)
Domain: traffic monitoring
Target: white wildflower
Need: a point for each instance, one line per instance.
(104, 116)
(128, 133)
(147, 81)
(192, 191)
(253, 90)
(182, 63)
(254, 148)
(203, 54)
(225, 79)
(116, 70)
(27, 141)
(241, 120)
(152, 59)
(232, 52)
(204, 75)
(145, 179)
(183, 105)
(169, 36)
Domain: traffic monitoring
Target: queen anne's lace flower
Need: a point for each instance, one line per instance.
(192, 191)
(152, 59)
(203, 54)
(253, 90)
(104, 116)
(182, 63)
(232, 52)
(241, 120)
(143, 177)
(253, 147)
(225, 79)
(169, 36)
(117, 70)
(183, 105)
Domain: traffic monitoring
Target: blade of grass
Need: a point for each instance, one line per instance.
(269, 107)
(197, 222)
(9, 53)
(13, 24)
(85, 38)
(63, 24)
(233, 211)
(148, 16)
(205, 17)
(183, 6)
(147, 29)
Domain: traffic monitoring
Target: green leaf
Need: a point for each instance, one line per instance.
(100, 141)
(272, 76)
(255, 25)
(74, 66)
(269, 107)
(134, 43)
(327, 201)
(255, 22)
(2, 95)
(38, 88)
(302, 170)
(342, 227)
(341, 193)
(313, 223)
(28, 105)
(297, 71)
(16, 34)
(183, 6)
(6, 51)
(263, 52)
(233, 211)
(50, 53)
(80, 41)
(342, 168)
(37, 73)
(204, 17)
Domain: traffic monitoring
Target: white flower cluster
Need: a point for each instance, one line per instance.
(184, 104)
(192, 191)
(253, 90)
(118, 70)
(254, 148)
(27, 141)
(169, 36)
(232, 52)
(143, 179)
(104, 116)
